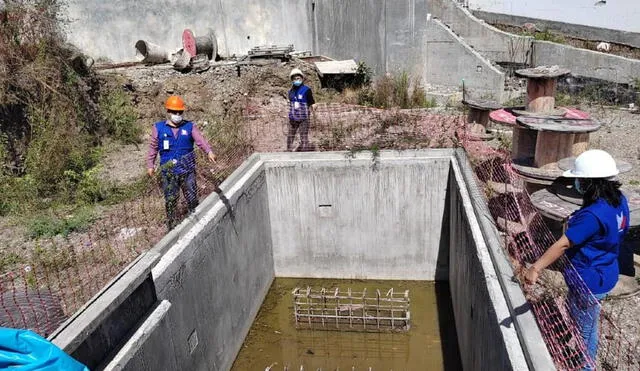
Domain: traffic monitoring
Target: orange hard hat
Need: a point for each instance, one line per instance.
(174, 103)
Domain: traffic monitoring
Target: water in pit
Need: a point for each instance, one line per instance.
(430, 343)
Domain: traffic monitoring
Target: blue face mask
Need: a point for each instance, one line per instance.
(297, 82)
(576, 185)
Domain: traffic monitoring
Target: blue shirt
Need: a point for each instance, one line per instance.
(596, 233)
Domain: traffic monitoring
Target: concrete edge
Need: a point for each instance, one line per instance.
(535, 350)
(85, 321)
(483, 23)
(572, 29)
(139, 337)
(387, 154)
(468, 47)
(497, 293)
(181, 229)
(613, 57)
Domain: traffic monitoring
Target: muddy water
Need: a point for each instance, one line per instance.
(430, 344)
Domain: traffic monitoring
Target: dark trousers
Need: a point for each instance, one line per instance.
(303, 126)
(171, 185)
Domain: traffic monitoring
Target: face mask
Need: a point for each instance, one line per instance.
(297, 82)
(176, 119)
(576, 185)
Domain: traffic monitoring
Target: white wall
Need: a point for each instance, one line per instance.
(620, 15)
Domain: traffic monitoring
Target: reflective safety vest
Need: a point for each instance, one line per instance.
(176, 153)
(298, 105)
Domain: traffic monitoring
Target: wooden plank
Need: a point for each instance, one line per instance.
(541, 95)
(523, 143)
(480, 104)
(580, 143)
(552, 147)
(543, 72)
(564, 125)
(533, 174)
(479, 117)
(554, 114)
(560, 207)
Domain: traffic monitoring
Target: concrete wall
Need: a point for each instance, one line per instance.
(217, 266)
(488, 304)
(577, 30)
(450, 59)
(587, 63)
(388, 35)
(358, 219)
(111, 28)
(615, 14)
(496, 45)
(217, 275)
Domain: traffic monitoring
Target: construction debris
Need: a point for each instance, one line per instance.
(151, 53)
(346, 67)
(272, 51)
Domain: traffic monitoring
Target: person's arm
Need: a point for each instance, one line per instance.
(582, 226)
(153, 151)
(310, 100)
(202, 143)
(551, 255)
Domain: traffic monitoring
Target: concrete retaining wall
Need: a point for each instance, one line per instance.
(571, 29)
(495, 309)
(587, 63)
(492, 43)
(358, 219)
(418, 210)
(217, 275)
(618, 15)
(449, 60)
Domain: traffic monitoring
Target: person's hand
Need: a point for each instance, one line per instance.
(531, 275)
(212, 157)
(151, 171)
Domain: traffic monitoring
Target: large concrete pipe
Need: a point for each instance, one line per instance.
(151, 53)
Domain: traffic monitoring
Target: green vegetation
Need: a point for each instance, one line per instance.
(120, 117)
(395, 91)
(547, 35)
(56, 114)
(48, 225)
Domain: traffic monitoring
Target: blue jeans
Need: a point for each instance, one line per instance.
(171, 185)
(587, 318)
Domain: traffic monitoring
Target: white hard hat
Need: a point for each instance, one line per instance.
(294, 72)
(594, 163)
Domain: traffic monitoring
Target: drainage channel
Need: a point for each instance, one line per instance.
(328, 324)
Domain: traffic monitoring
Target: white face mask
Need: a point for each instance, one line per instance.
(176, 119)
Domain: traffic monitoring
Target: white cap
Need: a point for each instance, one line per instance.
(594, 163)
(294, 72)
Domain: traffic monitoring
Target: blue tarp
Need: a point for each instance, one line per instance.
(24, 350)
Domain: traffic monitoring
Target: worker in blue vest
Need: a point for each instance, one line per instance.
(300, 108)
(592, 243)
(173, 139)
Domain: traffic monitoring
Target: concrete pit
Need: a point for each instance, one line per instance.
(189, 303)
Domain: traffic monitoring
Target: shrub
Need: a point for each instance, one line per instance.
(120, 117)
(48, 225)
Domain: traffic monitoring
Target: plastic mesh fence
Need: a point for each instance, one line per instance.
(61, 273)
